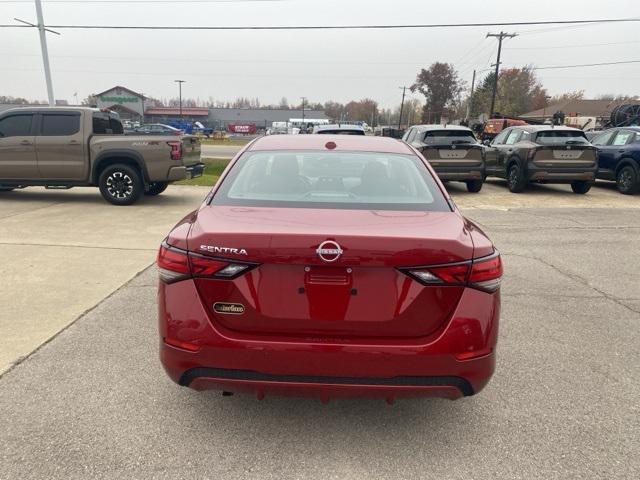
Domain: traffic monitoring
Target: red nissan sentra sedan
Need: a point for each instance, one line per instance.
(329, 266)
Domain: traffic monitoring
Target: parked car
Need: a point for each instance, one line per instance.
(453, 152)
(157, 129)
(543, 154)
(619, 157)
(64, 147)
(339, 129)
(329, 266)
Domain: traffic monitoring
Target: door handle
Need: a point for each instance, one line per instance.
(25, 142)
(74, 142)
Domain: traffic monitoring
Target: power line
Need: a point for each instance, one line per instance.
(416, 63)
(558, 47)
(331, 27)
(553, 67)
(142, 1)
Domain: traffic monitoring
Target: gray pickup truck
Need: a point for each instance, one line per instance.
(64, 147)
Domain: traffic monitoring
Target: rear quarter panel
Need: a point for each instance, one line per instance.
(152, 151)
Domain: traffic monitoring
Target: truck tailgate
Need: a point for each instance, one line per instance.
(190, 149)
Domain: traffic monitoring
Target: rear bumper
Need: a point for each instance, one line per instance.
(381, 368)
(560, 175)
(182, 172)
(459, 173)
(196, 170)
(325, 387)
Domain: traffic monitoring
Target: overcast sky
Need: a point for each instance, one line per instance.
(322, 65)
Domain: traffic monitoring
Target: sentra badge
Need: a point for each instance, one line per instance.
(223, 250)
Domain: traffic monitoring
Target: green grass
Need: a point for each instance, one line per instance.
(212, 171)
(230, 142)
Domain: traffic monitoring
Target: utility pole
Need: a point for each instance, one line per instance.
(500, 36)
(404, 89)
(470, 102)
(304, 99)
(180, 82)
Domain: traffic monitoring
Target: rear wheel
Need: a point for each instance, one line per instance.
(581, 186)
(474, 186)
(120, 184)
(157, 188)
(627, 180)
(515, 179)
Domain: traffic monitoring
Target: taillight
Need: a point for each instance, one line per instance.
(532, 153)
(176, 150)
(175, 264)
(486, 273)
(482, 274)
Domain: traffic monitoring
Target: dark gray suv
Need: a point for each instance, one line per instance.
(542, 154)
(452, 150)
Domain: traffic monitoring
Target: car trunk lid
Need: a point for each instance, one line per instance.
(361, 293)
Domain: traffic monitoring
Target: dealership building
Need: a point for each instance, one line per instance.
(136, 107)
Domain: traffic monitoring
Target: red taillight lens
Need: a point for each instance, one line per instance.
(205, 267)
(176, 150)
(532, 153)
(486, 274)
(452, 274)
(482, 274)
(175, 264)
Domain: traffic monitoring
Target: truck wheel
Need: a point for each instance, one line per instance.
(581, 186)
(627, 180)
(156, 188)
(120, 184)
(474, 186)
(515, 179)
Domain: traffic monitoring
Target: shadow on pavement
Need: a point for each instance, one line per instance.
(91, 196)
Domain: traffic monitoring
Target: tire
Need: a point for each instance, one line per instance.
(627, 180)
(120, 184)
(156, 188)
(515, 179)
(474, 186)
(581, 186)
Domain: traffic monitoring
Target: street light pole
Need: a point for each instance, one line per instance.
(45, 53)
(180, 82)
(500, 36)
(304, 99)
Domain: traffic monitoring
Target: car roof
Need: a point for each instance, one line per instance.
(635, 128)
(424, 128)
(339, 126)
(46, 108)
(359, 143)
(543, 128)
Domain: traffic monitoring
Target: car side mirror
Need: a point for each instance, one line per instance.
(486, 143)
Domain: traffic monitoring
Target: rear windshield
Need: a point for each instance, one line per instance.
(106, 124)
(340, 180)
(341, 132)
(561, 137)
(447, 137)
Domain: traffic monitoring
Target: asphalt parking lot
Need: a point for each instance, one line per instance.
(94, 402)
